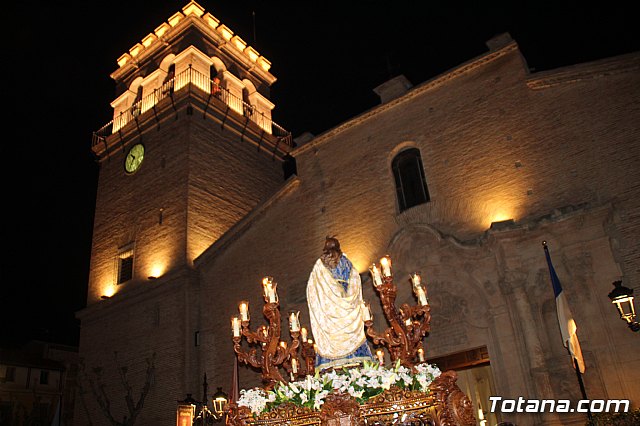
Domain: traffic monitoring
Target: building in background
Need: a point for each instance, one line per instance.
(460, 177)
(38, 384)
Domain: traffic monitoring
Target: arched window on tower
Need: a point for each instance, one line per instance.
(168, 83)
(247, 108)
(411, 185)
(216, 83)
(136, 107)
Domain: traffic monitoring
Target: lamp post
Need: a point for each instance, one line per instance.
(186, 411)
(219, 402)
(622, 298)
(187, 408)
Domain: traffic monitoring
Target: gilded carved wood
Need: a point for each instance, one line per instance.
(444, 405)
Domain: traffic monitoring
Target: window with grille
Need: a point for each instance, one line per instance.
(411, 185)
(10, 374)
(125, 265)
(44, 377)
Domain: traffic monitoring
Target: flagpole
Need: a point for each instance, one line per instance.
(581, 383)
(567, 325)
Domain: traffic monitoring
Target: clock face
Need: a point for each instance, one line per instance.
(134, 158)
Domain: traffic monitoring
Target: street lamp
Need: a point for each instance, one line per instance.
(622, 298)
(186, 411)
(188, 414)
(219, 400)
(219, 403)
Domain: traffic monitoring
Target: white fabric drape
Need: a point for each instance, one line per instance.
(335, 314)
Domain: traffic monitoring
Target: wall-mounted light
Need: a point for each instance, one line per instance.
(622, 298)
(156, 271)
(502, 224)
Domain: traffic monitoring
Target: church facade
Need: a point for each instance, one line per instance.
(460, 177)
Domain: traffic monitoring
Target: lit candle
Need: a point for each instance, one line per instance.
(421, 354)
(294, 323)
(294, 365)
(235, 326)
(265, 331)
(481, 416)
(303, 334)
(385, 263)
(269, 289)
(375, 273)
(407, 322)
(415, 279)
(380, 356)
(283, 345)
(266, 287)
(366, 311)
(422, 297)
(244, 310)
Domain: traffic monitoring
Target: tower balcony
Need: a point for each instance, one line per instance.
(212, 98)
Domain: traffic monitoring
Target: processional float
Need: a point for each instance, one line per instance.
(292, 390)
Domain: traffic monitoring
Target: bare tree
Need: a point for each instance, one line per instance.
(98, 390)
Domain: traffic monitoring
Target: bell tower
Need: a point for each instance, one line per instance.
(191, 149)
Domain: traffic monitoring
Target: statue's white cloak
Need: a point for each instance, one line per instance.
(335, 314)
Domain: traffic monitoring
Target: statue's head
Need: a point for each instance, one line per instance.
(331, 244)
(331, 252)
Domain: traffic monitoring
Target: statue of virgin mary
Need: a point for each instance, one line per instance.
(334, 297)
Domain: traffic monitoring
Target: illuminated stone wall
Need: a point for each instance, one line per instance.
(556, 152)
(200, 181)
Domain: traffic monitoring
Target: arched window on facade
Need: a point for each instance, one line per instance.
(411, 185)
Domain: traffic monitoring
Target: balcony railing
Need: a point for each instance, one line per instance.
(204, 83)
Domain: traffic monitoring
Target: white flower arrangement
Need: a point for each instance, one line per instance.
(361, 383)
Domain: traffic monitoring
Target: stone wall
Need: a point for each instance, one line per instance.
(554, 152)
(557, 152)
(196, 181)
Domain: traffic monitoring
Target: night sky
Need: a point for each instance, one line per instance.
(327, 57)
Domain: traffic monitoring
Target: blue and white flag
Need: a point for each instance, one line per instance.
(568, 326)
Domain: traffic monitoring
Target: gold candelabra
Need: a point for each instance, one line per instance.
(408, 325)
(267, 350)
(446, 404)
(270, 353)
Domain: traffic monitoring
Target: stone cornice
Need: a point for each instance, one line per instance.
(436, 82)
(587, 71)
(208, 25)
